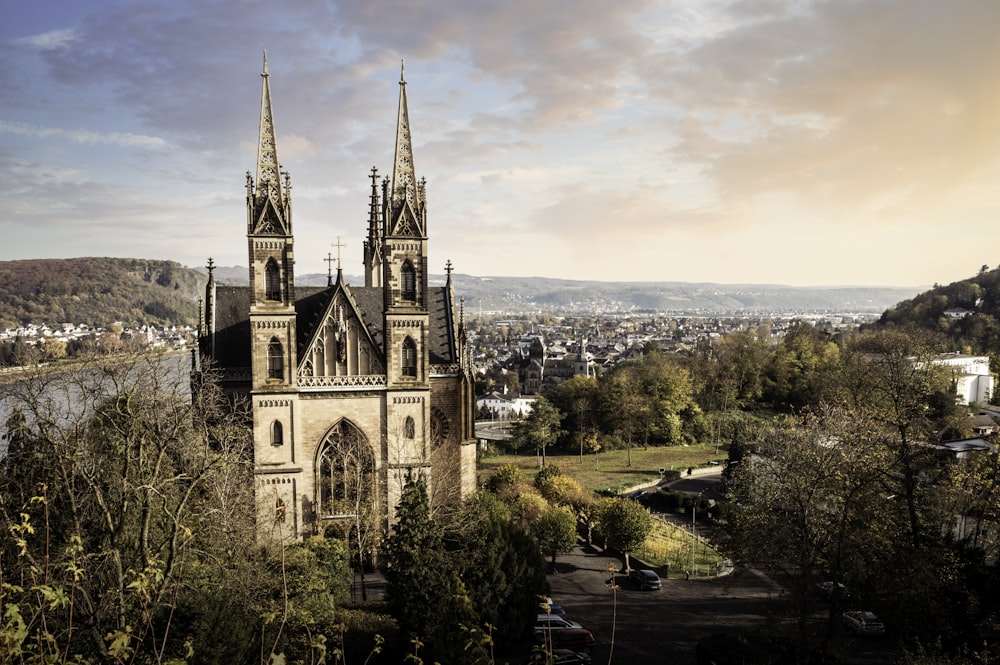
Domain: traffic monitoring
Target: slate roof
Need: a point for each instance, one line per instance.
(232, 337)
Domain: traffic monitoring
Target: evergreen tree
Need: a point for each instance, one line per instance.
(423, 591)
(503, 570)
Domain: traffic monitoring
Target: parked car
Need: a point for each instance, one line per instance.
(553, 608)
(577, 639)
(554, 622)
(828, 588)
(562, 633)
(569, 657)
(645, 579)
(863, 623)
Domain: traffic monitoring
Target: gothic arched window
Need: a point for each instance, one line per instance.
(409, 357)
(272, 281)
(408, 281)
(277, 434)
(275, 360)
(409, 428)
(346, 473)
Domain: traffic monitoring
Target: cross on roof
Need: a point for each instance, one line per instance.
(447, 267)
(329, 269)
(338, 245)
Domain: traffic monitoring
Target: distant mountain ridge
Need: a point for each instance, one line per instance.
(100, 291)
(514, 295)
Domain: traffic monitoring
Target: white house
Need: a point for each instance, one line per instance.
(506, 407)
(971, 374)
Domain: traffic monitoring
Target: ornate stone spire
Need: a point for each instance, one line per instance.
(403, 176)
(268, 176)
(268, 200)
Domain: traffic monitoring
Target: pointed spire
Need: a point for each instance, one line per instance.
(374, 230)
(268, 175)
(403, 175)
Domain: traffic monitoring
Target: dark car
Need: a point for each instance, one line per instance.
(863, 623)
(645, 579)
(561, 633)
(829, 590)
(572, 638)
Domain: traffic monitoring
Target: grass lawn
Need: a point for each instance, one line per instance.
(672, 552)
(609, 469)
(669, 549)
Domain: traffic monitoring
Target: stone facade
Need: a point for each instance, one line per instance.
(351, 389)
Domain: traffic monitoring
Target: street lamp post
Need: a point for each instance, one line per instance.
(694, 533)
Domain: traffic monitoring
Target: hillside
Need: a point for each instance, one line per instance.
(967, 312)
(98, 292)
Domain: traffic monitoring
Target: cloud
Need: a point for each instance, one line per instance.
(84, 136)
(730, 125)
(52, 39)
(843, 102)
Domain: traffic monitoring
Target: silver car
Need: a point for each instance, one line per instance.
(863, 623)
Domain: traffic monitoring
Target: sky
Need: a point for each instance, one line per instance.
(797, 142)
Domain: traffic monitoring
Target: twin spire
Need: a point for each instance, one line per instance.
(268, 168)
(403, 176)
(268, 195)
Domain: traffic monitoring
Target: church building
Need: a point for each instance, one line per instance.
(351, 388)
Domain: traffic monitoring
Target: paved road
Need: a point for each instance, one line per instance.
(665, 626)
(651, 626)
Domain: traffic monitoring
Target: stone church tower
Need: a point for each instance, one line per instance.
(351, 388)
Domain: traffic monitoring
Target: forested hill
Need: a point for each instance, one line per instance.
(98, 292)
(967, 312)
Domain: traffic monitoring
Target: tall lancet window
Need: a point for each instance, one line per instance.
(408, 282)
(272, 281)
(277, 434)
(275, 360)
(409, 357)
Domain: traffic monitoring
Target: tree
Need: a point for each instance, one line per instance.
(119, 483)
(577, 397)
(540, 429)
(669, 389)
(729, 371)
(624, 407)
(555, 531)
(625, 524)
(502, 567)
(802, 370)
(809, 501)
(422, 590)
(306, 585)
(891, 376)
(52, 349)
